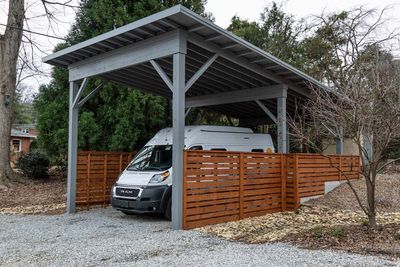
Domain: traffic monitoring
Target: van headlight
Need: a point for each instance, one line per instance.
(158, 178)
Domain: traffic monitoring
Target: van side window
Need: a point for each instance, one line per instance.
(257, 150)
(196, 148)
(219, 149)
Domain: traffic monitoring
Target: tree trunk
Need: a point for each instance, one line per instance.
(10, 43)
(370, 181)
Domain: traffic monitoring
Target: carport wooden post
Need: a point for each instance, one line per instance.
(282, 130)
(72, 147)
(178, 138)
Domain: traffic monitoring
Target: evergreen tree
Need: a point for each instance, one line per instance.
(118, 117)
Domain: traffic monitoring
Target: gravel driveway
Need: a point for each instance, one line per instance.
(107, 237)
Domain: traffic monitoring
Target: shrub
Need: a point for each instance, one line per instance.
(34, 165)
(339, 231)
(318, 231)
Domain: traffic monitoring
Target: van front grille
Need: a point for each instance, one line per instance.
(127, 192)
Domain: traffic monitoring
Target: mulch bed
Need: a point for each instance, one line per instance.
(334, 221)
(35, 197)
(352, 238)
(342, 198)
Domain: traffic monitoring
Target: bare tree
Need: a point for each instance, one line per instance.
(365, 99)
(10, 43)
(17, 62)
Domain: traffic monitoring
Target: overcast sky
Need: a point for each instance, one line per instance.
(223, 11)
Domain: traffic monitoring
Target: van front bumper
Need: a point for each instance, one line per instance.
(149, 200)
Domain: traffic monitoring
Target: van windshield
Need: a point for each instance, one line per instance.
(152, 158)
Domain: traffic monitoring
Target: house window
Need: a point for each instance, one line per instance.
(16, 145)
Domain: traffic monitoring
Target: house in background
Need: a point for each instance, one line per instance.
(22, 136)
(349, 148)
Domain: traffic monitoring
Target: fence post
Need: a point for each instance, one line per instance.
(340, 168)
(296, 182)
(184, 198)
(120, 163)
(105, 179)
(283, 181)
(88, 181)
(241, 185)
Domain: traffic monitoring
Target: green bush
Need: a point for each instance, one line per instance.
(339, 231)
(34, 165)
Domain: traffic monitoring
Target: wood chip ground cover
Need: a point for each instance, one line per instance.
(35, 197)
(334, 221)
(276, 226)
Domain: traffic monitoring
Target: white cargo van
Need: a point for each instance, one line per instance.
(146, 184)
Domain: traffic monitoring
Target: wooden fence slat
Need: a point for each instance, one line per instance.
(296, 182)
(184, 213)
(283, 183)
(105, 178)
(220, 186)
(96, 172)
(241, 185)
(88, 182)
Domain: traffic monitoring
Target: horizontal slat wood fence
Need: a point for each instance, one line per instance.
(307, 174)
(222, 186)
(97, 171)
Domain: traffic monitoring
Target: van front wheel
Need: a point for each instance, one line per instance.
(167, 211)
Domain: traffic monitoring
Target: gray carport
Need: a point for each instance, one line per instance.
(181, 55)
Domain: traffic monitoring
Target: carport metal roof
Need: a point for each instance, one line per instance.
(238, 66)
(179, 54)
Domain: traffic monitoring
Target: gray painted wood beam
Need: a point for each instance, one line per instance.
(226, 75)
(267, 111)
(226, 72)
(80, 92)
(206, 85)
(90, 95)
(159, 46)
(196, 27)
(187, 111)
(213, 37)
(228, 46)
(245, 53)
(200, 72)
(282, 127)
(332, 132)
(258, 60)
(72, 148)
(273, 91)
(368, 149)
(134, 35)
(162, 74)
(198, 40)
(178, 139)
(170, 23)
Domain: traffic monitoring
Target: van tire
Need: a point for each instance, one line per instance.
(167, 211)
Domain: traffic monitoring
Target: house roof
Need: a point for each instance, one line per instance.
(25, 125)
(16, 133)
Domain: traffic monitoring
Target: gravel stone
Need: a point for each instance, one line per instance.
(106, 237)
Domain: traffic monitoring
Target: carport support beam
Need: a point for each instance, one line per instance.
(72, 147)
(178, 130)
(339, 142)
(282, 131)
